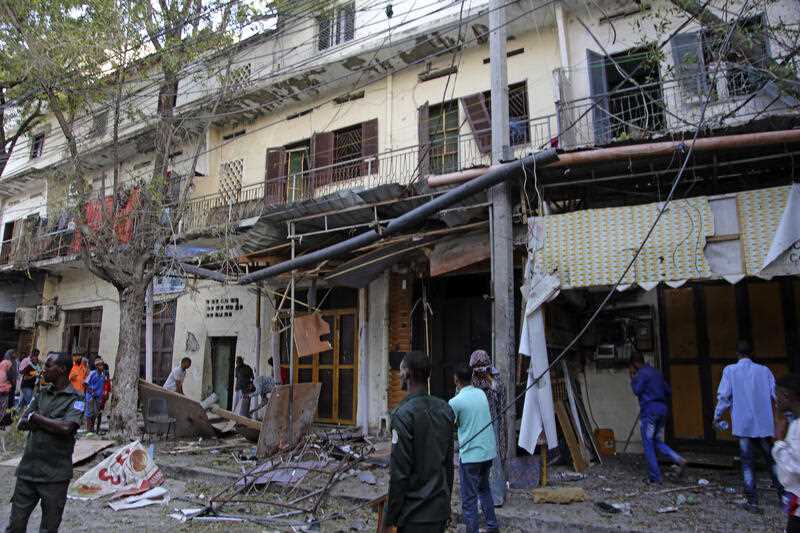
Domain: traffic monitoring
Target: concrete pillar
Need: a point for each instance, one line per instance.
(378, 354)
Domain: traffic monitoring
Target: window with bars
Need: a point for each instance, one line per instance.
(742, 75)
(99, 124)
(37, 145)
(347, 153)
(240, 78)
(337, 25)
(443, 131)
(230, 180)
(519, 129)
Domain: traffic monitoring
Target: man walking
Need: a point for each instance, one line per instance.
(421, 465)
(244, 387)
(177, 376)
(748, 390)
(477, 449)
(653, 391)
(45, 470)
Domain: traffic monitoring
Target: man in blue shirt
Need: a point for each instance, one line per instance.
(477, 449)
(95, 387)
(748, 390)
(649, 386)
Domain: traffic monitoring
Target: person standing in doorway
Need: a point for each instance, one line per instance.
(244, 387)
(786, 451)
(79, 372)
(29, 369)
(477, 449)
(177, 376)
(748, 390)
(95, 389)
(421, 465)
(484, 379)
(653, 391)
(45, 470)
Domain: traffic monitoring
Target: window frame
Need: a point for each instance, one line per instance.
(441, 135)
(37, 145)
(336, 20)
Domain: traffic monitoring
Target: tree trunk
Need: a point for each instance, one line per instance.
(125, 393)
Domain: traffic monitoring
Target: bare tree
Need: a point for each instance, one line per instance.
(126, 236)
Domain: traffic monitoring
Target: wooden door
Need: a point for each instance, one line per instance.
(163, 341)
(82, 332)
(700, 326)
(335, 369)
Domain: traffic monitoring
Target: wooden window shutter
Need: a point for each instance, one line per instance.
(322, 157)
(424, 138)
(479, 120)
(275, 176)
(598, 87)
(369, 147)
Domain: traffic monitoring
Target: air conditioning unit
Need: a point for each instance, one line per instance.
(25, 318)
(47, 314)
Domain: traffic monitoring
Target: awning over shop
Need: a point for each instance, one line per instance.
(697, 238)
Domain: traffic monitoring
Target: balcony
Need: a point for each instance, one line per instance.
(659, 109)
(402, 166)
(38, 244)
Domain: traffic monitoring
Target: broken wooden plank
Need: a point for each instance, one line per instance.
(459, 252)
(307, 332)
(233, 417)
(274, 431)
(569, 434)
(191, 420)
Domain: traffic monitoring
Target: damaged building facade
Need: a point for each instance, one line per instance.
(343, 122)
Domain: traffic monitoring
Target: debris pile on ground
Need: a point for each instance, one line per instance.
(289, 489)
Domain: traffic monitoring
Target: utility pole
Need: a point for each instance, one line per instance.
(502, 230)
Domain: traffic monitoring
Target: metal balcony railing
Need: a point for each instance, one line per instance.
(400, 166)
(662, 108)
(38, 244)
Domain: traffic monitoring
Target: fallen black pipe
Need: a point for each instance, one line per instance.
(204, 272)
(410, 220)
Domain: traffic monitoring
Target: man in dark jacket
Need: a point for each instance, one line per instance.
(653, 391)
(244, 387)
(421, 467)
(44, 473)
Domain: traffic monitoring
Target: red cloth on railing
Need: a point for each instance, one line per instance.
(123, 223)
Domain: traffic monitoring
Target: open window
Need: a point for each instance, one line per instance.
(627, 96)
(478, 108)
(37, 145)
(336, 26)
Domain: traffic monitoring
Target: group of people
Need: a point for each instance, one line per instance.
(422, 465)
(750, 392)
(93, 384)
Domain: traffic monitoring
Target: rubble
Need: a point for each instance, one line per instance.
(561, 495)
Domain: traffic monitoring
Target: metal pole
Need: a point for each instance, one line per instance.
(258, 329)
(148, 334)
(291, 343)
(502, 231)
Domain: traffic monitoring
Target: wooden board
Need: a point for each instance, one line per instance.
(459, 252)
(274, 431)
(569, 434)
(84, 449)
(191, 420)
(307, 332)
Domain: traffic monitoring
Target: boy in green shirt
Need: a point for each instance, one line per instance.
(477, 449)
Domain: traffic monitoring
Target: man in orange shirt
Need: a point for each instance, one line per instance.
(79, 372)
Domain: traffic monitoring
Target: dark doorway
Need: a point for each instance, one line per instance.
(223, 360)
(461, 323)
(163, 339)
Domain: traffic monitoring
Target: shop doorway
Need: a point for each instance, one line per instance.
(700, 324)
(223, 361)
